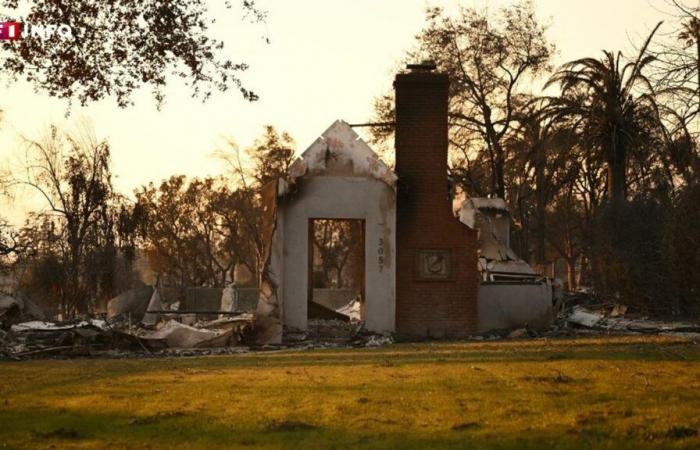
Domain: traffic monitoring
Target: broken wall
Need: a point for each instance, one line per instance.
(339, 197)
(504, 305)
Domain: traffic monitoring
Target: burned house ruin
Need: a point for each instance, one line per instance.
(427, 266)
(337, 177)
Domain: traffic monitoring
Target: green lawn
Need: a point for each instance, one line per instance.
(588, 393)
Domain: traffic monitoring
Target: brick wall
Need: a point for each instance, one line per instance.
(445, 305)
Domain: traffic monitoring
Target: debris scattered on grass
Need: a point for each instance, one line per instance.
(579, 316)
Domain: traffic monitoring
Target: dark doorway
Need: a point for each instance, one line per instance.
(336, 269)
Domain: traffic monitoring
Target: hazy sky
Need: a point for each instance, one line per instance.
(326, 60)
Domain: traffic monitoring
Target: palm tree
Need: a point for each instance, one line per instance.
(538, 141)
(612, 100)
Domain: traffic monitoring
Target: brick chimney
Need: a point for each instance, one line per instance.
(436, 267)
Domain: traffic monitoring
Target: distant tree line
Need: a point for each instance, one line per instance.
(80, 250)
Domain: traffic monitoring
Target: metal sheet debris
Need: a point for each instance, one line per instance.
(587, 314)
(351, 310)
(177, 335)
(48, 339)
(579, 316)
(228, 299)
(38, 325)
(130, 303)
(149, 318)
(16, 309)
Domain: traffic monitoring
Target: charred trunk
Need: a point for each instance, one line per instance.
(541, 203)
(571, 272)
(617, 176)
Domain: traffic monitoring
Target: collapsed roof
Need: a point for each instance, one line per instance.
(491, 217)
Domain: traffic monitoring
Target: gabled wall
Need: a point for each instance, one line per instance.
(337, 177)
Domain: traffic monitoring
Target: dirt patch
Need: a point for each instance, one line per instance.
(681, 432)
(289, 425)
(464, 426)
(61, 433)
(155, 418)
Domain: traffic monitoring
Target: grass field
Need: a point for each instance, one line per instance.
(588, 393)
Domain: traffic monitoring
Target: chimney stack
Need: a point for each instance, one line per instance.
(436, 269)
(421, 133)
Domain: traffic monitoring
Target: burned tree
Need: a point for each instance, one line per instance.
(9, 239)
(336, 242)
(616, 104)
(71, 172)
(184, 229)
(271, 154)
(488, 58)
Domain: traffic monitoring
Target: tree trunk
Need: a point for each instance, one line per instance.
(582, 272)
(499, 172)
(339, 278)
(617, 176)
(571, 272)
(541, 200)
(697, 62)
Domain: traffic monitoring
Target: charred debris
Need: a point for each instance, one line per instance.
(138, 326)
(26, 334)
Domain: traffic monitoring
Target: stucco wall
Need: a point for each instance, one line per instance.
(505, 306)
(339, 197)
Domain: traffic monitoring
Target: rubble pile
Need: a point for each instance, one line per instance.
(139, 324)
(582, 313)
(218, 333)
(70, 339)
(122, 333)
(230, 335)
(614, 321)
(14, 310)
(331, 333)
(131, 330)
(25, 334)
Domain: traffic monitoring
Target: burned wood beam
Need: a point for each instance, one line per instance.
(373, 124)
(168, 311)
